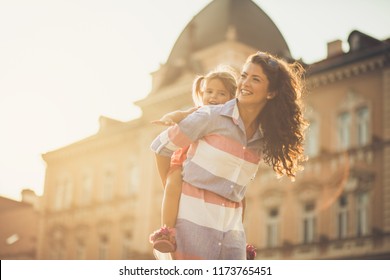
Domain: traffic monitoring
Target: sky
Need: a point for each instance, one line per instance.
(65, 63)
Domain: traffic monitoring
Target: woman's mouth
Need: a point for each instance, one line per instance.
(245, 92)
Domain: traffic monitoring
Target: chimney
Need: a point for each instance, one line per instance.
(29, 196)
(335, 48)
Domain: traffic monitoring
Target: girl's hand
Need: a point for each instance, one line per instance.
(166, 121)
(174, 117)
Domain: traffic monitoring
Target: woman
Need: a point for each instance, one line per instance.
(227, 143)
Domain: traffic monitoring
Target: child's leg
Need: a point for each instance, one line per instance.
(170, 204)
(163, 240)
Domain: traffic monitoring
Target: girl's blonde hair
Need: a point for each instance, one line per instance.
(226, 74)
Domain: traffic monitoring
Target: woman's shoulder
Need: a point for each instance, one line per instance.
(221, 107)
(211, 111)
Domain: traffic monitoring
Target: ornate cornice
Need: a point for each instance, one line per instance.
(341, 73)
(93, 144)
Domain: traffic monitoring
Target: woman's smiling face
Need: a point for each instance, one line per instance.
(253, 86)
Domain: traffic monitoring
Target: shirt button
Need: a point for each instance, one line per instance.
(219, 243)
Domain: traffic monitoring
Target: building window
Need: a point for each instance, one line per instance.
(57, 247)
(103, 247)
(312, 139)
(57, 252)
(80, 250)
(272, 229)
(132, 180)
(362, 123)
(343, 128)
(59, 196)
(86, 189)
(308, 223)
(353, 123)
(342, 217)
(63, 194)
(108, 186)
(126, 245)
(361, 214)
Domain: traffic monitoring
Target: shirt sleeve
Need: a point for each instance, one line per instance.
(188, 131)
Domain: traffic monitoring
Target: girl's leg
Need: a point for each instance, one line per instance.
(170, 204)
(164, 239)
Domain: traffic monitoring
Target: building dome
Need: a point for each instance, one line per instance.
(250, 25)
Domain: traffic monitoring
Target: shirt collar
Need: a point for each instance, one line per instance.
(230, 109)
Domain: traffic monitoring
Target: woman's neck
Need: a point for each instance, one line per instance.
(249, 116)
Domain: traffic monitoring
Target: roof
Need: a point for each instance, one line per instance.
(9, 204)
(252, 25)
(362, 46)
(210, 26)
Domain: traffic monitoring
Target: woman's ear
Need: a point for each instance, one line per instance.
(271, 95)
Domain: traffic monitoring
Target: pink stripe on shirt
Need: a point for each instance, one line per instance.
(208, 196)
(178, 138)
(232, 147)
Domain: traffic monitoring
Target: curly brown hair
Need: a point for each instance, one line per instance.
(282, 118)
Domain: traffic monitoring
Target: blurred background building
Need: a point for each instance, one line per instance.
(102, 195)
(19, 222)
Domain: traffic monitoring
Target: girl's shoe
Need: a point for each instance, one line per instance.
(163, 240)
(250, 252)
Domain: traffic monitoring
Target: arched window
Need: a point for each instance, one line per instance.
(63, 193)
(353, 122)
(272, 227)
(342, 216)
(308, 222)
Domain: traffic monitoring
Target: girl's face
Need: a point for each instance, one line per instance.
(215, 93)
(253, 86)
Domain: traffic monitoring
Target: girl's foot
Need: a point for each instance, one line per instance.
(163, 240)
(250, 252)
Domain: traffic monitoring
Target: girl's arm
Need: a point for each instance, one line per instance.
(163, 165)
(183, 134)
(174, 117)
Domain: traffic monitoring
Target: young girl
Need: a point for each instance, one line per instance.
(217, 87)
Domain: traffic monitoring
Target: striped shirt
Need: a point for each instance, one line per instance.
(220, 158)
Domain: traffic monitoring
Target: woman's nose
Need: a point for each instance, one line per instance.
(244, 81)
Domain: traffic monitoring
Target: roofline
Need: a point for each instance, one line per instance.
(348, 58)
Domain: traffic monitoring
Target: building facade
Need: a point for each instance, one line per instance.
(338, 208)
(102, 195)
(19, 223)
